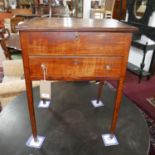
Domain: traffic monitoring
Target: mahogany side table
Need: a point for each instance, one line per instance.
(75, 49)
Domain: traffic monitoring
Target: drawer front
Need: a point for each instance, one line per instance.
(75, 68)
(77, 43)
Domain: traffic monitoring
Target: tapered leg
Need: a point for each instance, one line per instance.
(31, 108)
(100, 91)
(117, 106)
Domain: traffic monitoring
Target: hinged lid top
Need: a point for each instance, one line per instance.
(75, 24)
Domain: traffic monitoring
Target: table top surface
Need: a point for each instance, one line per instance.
(75, 24)
(13, 42)
(72, 125)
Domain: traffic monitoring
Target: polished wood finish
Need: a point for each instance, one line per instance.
(75, 49)
(77, 43)
(117, 104)
(75, 68)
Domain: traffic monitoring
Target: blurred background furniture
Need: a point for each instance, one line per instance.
(97, 13)
(13, 46)
(10, 19)
(2, 5)
(143, 43)
(10, 44)
(26, 4)
(4, 35)
(119, 11)
(14, 22)
(102, 10)
(109, 7)
(58, 8)
(21, 11)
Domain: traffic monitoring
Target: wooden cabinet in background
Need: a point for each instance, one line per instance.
(119, 10)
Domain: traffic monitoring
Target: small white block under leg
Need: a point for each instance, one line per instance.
(97, 104)
(109, 140)
(45, 104)
(35, 144)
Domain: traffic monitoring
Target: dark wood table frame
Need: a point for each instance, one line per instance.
(75, 49)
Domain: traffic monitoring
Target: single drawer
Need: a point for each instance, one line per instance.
(75, 68)
(76, 43)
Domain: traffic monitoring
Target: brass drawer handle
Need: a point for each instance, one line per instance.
(108, 67)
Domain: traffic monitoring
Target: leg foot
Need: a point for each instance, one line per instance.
(35, 143)
(44, 104)
(109, 139)
(97, 103)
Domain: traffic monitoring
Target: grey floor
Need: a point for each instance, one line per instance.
(72, 126)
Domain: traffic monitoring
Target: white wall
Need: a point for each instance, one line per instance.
(86, 8)
(152, 20)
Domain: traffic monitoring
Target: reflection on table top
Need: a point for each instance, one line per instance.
(13, 42)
